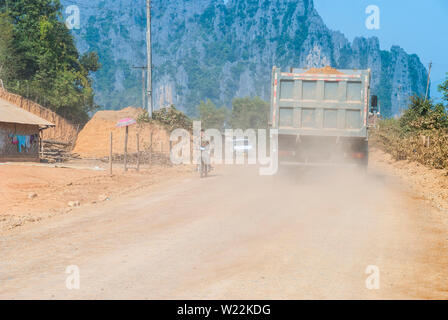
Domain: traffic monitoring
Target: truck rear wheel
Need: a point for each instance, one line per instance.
(364, 162)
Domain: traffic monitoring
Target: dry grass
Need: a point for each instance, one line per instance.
(429, 148)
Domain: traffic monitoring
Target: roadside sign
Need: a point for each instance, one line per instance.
(125, 122)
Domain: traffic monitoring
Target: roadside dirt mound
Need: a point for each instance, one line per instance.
(326, 70)
(94, 140)
(430, 183)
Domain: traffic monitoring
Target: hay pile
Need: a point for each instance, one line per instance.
(324, 70)
(94, 140)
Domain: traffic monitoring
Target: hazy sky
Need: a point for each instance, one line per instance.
(418, 26)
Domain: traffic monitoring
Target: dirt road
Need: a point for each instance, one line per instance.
(54, 186)
(237, 235)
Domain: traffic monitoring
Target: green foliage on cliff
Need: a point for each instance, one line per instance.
(384, 91)
(210, 50)
(39, 59)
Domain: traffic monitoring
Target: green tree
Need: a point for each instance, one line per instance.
(48, 67)
(424, 115)
(249, 113)
(211, 116)
(6, 53)
(443, 88)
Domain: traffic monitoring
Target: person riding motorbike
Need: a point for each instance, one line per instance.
(205, 154)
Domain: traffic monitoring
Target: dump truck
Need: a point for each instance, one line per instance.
(321, 116)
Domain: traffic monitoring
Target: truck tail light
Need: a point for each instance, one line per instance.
(285, 153)
(358, 155)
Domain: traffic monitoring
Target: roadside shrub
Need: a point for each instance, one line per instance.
(420, 135)
(422, 115)
(168, 117)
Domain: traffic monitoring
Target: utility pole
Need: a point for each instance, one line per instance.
(149, 57)
(143, 85)
(429, 78)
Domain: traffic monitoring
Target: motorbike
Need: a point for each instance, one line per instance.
(204, 166)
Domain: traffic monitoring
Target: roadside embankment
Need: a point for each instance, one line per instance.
(430, 183)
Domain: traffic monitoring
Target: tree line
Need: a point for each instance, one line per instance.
(245, 113)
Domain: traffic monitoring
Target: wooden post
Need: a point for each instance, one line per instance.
(41, 144)
(150, 149)
(138, 153)
(110, 155)
(126, 149)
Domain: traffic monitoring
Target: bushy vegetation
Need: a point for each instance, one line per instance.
(39, 59)
(443, 88)
(421, 134)
(424, 116)
(249, 113)
(169, 117)
(246, 113)
(211, 116)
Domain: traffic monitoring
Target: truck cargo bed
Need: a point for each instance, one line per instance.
(315, 104)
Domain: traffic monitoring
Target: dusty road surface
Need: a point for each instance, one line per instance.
(236, 235)
(55, 185)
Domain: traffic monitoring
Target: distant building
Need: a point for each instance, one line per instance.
(20, 133)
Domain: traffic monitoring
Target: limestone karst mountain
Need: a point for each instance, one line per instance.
(221, 49)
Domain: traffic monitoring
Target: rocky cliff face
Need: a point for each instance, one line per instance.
(221, 49)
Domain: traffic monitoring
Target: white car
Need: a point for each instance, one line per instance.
(242, 145)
